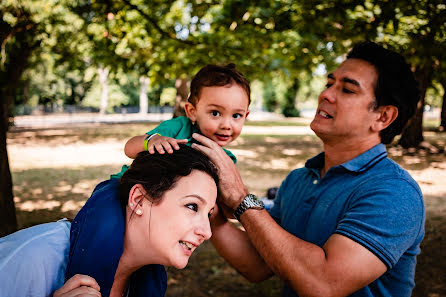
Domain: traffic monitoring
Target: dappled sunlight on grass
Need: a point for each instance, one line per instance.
(37, 205)
(54, 172)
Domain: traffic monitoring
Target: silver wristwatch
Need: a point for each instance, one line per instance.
(250, 201)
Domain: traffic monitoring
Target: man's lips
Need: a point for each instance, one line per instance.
(324, 114)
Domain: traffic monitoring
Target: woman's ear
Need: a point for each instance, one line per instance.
(386, 115)
(136, 198)
(190, 110)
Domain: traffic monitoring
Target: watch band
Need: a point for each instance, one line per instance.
(250, 201)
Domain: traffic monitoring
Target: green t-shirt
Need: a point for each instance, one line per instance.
(178, 128)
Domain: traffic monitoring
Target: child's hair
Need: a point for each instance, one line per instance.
(158, 173)
(217, 76)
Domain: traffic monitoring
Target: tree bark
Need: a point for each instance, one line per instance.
(412, 135)
(443, 108)
(8, 219)
(182, 93)
(16, 55)
(143, 100)
(103, 75)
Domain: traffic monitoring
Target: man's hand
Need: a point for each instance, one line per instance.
(164, 144)
(80, 286)
(232, 189)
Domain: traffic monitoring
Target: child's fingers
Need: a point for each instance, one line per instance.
(174, 143)
(159, 148)
(168, 147)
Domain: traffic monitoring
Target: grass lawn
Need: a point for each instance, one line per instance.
(54, 171)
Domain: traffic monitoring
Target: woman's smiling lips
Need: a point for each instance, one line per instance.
(188, 247)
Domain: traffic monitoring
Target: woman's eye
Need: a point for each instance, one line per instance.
(192, 206)
(215, 113)
(237, 116)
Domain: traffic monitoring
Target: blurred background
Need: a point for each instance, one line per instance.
(80, 77)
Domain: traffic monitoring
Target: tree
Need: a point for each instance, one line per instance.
(413, 28)
(26, 28)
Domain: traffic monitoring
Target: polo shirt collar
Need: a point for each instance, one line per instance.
(358, 164)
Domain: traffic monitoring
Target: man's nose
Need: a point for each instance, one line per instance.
(328, 95)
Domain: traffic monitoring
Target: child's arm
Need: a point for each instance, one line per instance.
(161, 143)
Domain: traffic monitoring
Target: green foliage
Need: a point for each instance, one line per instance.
(270, 101)
(168, 96)
(116, 97)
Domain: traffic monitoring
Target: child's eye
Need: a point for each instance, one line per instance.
(215, 113)
(236, 116)
(192, 206)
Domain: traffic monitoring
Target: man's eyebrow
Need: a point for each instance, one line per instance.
(345, 79)
(351, 81)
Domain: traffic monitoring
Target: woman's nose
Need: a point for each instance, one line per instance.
(204, 229)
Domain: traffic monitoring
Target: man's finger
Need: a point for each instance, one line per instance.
(204, 140)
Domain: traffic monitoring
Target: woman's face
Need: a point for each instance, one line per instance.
(169, 231)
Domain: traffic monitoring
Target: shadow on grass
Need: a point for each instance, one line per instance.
(49, 194)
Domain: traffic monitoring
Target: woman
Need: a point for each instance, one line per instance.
(156, 214)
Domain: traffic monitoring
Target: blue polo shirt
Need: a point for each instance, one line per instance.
(370, 200)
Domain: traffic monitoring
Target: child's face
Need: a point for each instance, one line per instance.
(220, 112)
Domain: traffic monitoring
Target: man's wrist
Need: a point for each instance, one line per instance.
(249, 202)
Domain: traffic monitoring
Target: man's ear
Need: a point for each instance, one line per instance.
(136, 196)
(190, 110)
(386, 115)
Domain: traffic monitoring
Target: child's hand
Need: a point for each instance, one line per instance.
(164, 144)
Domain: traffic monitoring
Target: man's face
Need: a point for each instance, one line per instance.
(345, 110)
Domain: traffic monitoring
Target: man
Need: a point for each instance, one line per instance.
(351, 221)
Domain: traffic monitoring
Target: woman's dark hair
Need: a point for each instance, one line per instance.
(217, 76)
(396, 84)
(158, 173)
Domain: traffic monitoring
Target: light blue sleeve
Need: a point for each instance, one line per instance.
(33, 260)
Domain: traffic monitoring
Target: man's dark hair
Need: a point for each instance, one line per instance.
(158, 173)
(217, 76)
(396, 84)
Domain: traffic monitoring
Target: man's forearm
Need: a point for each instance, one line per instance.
(338, 269)
(234, 245)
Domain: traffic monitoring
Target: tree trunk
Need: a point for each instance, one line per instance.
(103, 75)
(412, 135)
(11, 70)
(182, 93)
(143, 100)
(8, 219)
(443, 108)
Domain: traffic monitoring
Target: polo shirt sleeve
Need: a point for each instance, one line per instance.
(386, 218)
(174, 128)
